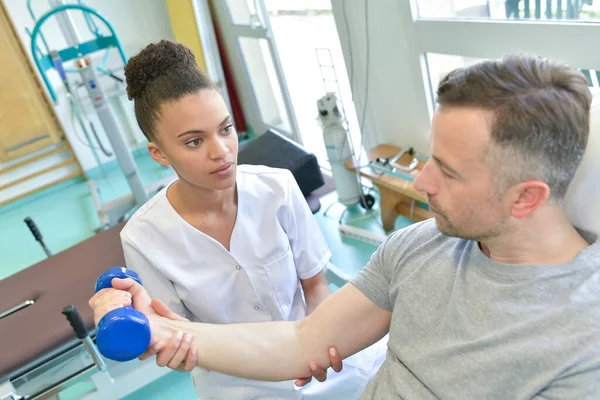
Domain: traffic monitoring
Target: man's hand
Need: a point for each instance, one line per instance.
(178, 354)
(319, 373)
(123, 293)
(107, 300)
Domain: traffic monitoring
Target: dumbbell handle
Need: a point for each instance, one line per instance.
(104, 281)
(81, 332)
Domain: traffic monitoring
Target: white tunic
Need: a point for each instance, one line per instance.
(275, 242)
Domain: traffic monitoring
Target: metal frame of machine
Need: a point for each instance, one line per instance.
(117, 210)
(75, 361)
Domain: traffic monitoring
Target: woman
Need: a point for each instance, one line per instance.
(223, 243)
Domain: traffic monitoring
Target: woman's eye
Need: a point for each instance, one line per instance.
(193, 143)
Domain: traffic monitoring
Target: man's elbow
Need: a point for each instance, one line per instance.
(313, 342)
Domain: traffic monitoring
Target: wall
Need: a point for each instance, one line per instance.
(398, 106)
(186, 30)
(137, 23)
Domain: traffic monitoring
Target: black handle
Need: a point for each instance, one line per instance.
(75, 320)
(34, 229)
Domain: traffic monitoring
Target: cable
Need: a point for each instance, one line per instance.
(358, 166)
(76, 130)
(103, 149)
(89, 145)
(363, 197)
(364, 113)
(351, 69)
(106, 152)
(362, 121)
(368, 215)
(351, 81)
(75, 102)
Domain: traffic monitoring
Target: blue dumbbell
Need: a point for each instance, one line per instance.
(122, 334)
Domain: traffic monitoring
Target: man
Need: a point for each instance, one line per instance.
(498, 296)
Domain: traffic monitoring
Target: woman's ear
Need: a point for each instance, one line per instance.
(157, 154)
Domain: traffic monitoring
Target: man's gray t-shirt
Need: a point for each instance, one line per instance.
(466, 327)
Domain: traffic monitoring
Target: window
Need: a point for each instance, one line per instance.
(313, 64)
(542, 10)
(446, 43)
(433, 44)
(439, 65)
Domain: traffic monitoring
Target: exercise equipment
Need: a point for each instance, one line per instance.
(122, 334)
(37, 235)
(338, 149)
(42, 356)
(72, 315)
(117, 210)
(363, 235)
(275, 150)
(392, 166)
(338, 146)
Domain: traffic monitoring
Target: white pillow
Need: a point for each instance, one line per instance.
(582, 202)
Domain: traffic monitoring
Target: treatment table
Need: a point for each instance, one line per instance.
(40, 353)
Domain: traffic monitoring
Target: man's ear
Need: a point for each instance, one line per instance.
(528, 197)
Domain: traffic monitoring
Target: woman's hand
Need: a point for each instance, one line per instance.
(178, 353)
(318, 372)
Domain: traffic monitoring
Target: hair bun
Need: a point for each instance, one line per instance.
(156, 60)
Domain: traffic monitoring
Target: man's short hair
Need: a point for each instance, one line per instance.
(541, 114)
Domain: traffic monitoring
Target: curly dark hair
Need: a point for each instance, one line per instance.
(161, 72)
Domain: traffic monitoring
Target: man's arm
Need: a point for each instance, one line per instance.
(316, 290)
(277, 351)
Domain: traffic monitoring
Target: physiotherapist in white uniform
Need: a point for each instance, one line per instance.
(222, 243)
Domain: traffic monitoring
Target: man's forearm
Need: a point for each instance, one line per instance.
(278, 351)
(270, 351)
